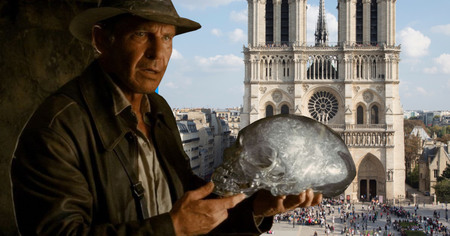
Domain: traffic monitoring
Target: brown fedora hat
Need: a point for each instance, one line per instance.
(161, 11)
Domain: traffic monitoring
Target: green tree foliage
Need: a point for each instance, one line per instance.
(442, 189)
(445, 174)
(435, 129)
(443, 186)
(412, 178)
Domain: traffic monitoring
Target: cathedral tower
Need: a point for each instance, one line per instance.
(351, 85)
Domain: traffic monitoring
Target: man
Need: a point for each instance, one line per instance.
(103, 154)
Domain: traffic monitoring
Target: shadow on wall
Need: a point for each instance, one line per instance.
(37, 56)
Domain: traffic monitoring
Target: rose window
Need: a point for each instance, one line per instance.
(323, 106)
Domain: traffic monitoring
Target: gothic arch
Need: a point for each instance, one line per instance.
(369, 98)
(277, 98)
(371, 178)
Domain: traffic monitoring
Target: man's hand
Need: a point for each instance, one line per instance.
(265, 204)
(193, 215)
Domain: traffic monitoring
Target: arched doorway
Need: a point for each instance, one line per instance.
(371, 178)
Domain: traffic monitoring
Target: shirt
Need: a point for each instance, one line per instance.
(150, 173)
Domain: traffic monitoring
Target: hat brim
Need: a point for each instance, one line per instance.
(81, 25)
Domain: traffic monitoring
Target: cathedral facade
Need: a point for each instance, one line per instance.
(351, 86)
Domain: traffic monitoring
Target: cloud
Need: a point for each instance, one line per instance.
(444, 29)
(444, 62)
(442, 65)
(220, 62)
(171, 85)
(414, 43)
(176, 55)
(312, 17)
(202, 4)
(241, 16)
(431, 70)
(216, 32)
(421, 91)
(237, 35)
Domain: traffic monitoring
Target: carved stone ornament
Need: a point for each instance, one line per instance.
(285, 154)
(277, 96)
(380, 89)
(305, 87)
(263, 89)
(357, 88)
(290, 89)
(368, 96)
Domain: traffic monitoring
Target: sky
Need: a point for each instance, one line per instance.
(207, 68)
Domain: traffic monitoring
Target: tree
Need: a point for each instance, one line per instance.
(435, 129)
(412, 178)
(409, 125)
(442, 189)
(445, 174)
(412, 149)
(412, 143)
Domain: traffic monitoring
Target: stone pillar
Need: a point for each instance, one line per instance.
(256, 22)
(347, 22)
(277, 22)
(297, 19)
(366, 22)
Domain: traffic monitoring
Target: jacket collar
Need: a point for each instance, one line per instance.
(100, 103)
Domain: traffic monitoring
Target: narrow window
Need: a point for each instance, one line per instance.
(359, 22)
(285, 22)
(284, 109)
(269, 22)
(269, 110)
(360, 115)
(374, 22)
(374, 115)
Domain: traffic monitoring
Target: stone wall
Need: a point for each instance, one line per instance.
(37, 56)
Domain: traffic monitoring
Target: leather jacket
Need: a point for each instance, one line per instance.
(67, 179)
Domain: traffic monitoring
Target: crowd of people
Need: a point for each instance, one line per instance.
(363, 221)
(411, 221)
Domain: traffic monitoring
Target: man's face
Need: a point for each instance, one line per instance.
(138, 54)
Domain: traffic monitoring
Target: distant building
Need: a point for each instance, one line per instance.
(432, 164)
(410, 114)
(190, 140)
(428, 117)
(213, 137)
(233, 118)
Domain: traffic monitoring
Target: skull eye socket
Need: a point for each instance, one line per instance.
(263, 157)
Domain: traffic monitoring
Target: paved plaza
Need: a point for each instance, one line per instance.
(285, 228)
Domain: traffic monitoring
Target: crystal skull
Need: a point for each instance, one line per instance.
(285, 154)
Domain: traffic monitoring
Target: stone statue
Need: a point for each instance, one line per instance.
(285, 154)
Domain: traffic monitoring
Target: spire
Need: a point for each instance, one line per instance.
(321, 30)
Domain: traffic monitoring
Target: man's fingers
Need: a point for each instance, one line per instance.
(317, 199)
(201, 192)
(293, 201)
(227, 202)
(309, 198)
